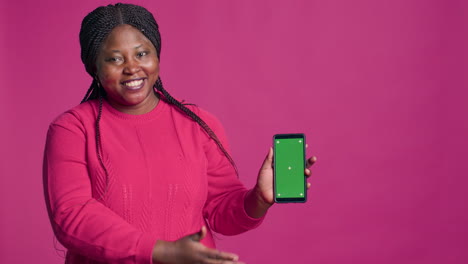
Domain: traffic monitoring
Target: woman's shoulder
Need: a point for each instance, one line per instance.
(82, 113)
(208, 117)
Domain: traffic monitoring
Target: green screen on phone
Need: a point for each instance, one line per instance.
(289, 168)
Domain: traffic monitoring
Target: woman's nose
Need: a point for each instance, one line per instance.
(131, 67)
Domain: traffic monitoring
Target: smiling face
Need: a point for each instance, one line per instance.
(127, 68)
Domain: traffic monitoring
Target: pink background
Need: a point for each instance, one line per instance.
(379, 87)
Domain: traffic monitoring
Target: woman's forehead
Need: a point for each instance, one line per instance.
(124, 36)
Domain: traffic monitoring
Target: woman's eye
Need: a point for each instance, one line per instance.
(143, 53)
(114, 59)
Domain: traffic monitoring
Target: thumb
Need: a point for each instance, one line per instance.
(199, 235)
(268, 162)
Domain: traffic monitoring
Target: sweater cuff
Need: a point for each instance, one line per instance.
(248, 221)
(144, 251)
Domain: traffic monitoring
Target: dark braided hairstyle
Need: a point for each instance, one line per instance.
(94, 30)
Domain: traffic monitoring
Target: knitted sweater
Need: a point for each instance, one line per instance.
(166, 179)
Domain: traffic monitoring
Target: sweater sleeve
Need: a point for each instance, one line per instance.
(224, 208)
(81, 223)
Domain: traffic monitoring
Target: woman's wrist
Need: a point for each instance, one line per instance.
(161, 251)
(255, 205)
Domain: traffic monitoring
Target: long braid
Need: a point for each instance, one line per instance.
(196, 118)
(91, 91)
(99, 147)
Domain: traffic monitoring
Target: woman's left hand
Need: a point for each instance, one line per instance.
(263, 190)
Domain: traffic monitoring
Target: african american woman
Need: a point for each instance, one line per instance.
(132, 175)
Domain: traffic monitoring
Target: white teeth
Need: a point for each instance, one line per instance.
(134, 83)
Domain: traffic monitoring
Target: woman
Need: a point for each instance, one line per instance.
(132, 175)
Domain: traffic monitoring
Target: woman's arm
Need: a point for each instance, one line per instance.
(81, 223)
(225, 208)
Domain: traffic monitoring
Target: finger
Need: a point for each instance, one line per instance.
(199, 235)
(268, 162)
(219, 261)
(216, 255)
(307, 145)
(311, 161)
(202, 233)
(308, 185)
(307, 173)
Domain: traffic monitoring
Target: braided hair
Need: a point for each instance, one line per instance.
(95, 27)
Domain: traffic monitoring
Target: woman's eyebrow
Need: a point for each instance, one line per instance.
(118, 51)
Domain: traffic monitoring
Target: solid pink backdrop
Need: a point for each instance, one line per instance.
(378, 87)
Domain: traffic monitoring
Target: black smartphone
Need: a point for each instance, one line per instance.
(290, 185)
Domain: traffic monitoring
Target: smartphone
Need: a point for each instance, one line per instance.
(290, 185)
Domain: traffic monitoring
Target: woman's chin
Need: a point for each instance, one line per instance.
(136, 104)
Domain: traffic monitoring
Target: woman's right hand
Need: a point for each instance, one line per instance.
(189, 250)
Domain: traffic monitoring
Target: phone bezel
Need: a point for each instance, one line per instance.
(293, 199)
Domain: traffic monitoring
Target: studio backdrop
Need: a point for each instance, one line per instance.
(378, 87)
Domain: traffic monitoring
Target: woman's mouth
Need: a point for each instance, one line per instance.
(134, 84)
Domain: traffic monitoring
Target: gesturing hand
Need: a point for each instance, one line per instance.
(189, 250)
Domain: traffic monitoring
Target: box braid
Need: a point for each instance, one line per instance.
(196, 118)
(94, 30)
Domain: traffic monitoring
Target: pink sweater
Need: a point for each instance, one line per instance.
(167, 179)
